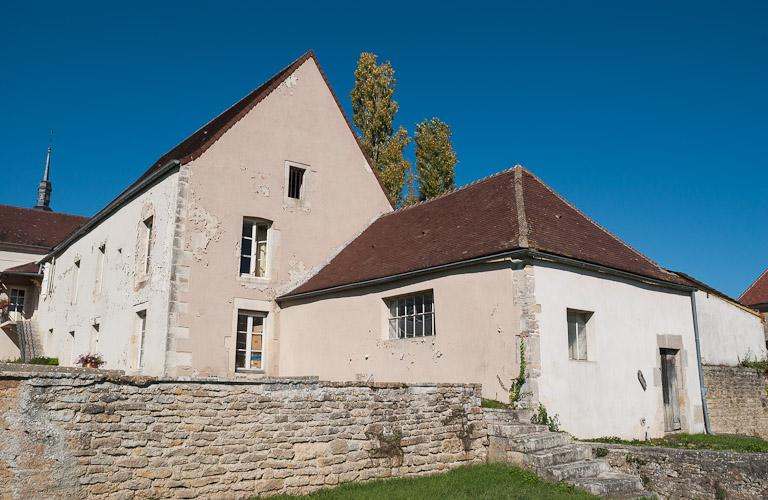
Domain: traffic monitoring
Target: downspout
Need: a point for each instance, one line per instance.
(702, 387)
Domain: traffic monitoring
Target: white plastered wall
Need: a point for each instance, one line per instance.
(12, 258)
(345, 336)
(630, 323)
(125, 290)
(728, 332)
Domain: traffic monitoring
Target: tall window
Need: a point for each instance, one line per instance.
(577, 334)
(249, 353)
(295, 181)
(17, 300)
(253, 249)
(100, 254)
(146, 243)
(141, 331)
(412, 316)
(75, 281)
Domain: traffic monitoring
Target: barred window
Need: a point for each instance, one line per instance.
(412, 316)
(295, 182)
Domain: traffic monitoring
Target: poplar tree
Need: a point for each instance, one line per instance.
(373, 112)
(435, 158)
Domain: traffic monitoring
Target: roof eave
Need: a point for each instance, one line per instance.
(522, 253)
(113, 206)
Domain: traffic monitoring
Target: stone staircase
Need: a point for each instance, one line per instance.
(29, 339)
(554, 456)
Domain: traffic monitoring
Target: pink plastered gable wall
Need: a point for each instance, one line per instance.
(243, 174)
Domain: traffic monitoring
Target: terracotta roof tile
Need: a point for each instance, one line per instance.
(510, 210)
(28, 268)
(757, 294)
(36, 228)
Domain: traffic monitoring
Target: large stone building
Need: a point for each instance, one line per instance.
(264, 244)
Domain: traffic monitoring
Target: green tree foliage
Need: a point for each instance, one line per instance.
(373, 111)
(435, 158)
(392, 165)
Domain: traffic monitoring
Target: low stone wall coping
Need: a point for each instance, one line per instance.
(117, 376)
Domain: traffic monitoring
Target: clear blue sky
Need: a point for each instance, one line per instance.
(652, 117)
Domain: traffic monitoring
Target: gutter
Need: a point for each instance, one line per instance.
(113, 206)
(514, 254)
(702, 387)
(400, 276)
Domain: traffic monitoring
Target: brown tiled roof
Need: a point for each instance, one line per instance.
(510, 210)
(36, 228)
(756, 294)
(28, 268)
(196, 144)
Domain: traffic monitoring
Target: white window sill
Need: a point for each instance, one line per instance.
(424, 337)
(245, 372)
(247, 278)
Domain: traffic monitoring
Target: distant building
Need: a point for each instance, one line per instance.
(264, 244)
(26, 236)
(756, 297)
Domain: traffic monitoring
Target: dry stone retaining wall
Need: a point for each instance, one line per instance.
(694, 474)
(77, 435)
(737, 399)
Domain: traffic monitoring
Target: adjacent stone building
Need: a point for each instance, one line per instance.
(26, 236)
(756, 297)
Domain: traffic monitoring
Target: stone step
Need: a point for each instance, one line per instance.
(611, 484)
(559, 455)
(514, 429)
(538, 441)
(575, 470)
(505, 415)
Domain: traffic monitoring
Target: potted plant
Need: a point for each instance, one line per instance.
(90, 360)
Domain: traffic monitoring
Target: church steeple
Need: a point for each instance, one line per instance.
(44, 188)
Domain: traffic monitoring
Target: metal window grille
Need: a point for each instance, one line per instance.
(295, 182)
(412, 316)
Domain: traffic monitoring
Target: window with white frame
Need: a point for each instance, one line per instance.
(141, 332)
(249, 350)
(17, 300)
(253, 248)
(412, 316)
(146, 244)
(100, 254)
(577, 334)
(75, 281)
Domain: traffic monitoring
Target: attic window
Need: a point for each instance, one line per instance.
(295, 182)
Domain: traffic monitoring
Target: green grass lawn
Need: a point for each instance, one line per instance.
(475, 482)
(698, 441)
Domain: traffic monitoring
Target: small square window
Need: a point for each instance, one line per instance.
(295, 182)
(577, 334)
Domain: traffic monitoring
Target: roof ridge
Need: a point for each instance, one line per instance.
(753, 284)
(609, 233)
(522, 218)
(454, 190)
